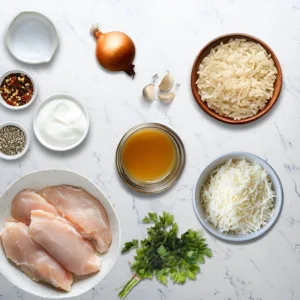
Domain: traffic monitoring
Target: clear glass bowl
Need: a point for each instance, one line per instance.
(163, 183)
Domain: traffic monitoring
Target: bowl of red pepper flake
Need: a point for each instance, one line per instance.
(17, 89)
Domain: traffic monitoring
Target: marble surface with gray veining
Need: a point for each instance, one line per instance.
(168, 34)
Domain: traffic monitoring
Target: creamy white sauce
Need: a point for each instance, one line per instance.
(61, 123)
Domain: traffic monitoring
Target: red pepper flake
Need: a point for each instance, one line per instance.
(16, 89)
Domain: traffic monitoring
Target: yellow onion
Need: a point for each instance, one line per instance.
(115, 51)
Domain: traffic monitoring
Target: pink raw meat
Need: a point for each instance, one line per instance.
(26, 201)
(64, 243)
(31, 258)
(82, 209)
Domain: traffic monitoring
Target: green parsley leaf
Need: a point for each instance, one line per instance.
(130, 245)
(208, 252)
(152, 217)
(164, 254)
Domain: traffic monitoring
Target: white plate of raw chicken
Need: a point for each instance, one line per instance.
(65, 219)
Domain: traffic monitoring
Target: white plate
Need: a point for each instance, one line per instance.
(216, 164)
(3, 102)
(38, 181)
(31, 38)
(12, 157)
(36, 131)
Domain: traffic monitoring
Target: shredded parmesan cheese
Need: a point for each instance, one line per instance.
(238, 197)
(237, 79)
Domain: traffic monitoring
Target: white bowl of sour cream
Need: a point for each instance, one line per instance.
(61, 122)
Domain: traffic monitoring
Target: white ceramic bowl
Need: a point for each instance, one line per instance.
(31, 38)
(204, 177)
(36, 131)
(12, 157)
(38, 181)
(2, 101)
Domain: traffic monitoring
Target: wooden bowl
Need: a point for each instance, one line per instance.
(225, 39)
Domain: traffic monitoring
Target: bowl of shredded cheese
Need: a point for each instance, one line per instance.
(236, 78)
(238, 197)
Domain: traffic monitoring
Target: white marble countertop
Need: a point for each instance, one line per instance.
(168, 34)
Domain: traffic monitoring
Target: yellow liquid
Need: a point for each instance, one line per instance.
(148, 155)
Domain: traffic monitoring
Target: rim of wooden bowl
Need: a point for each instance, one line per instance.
(206, 50)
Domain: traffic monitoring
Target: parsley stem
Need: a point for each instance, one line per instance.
(129, 286)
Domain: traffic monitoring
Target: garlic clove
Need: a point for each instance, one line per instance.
(166, 98)
(167, 83)
(149, 92)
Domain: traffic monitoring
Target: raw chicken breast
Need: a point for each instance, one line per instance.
(63, 242)
(82, 209)
(31, 258)
(26, 201)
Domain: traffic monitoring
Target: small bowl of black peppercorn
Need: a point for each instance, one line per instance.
(18, 89)
(14, 140)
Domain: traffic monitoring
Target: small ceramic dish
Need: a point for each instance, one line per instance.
(13, 157)
(37, 181)
(31, 38)
(276, 184)
(164, 183)
(36, 131)
(206, 50)
(3, 102)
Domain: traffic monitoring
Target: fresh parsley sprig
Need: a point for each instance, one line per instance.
(164, 254)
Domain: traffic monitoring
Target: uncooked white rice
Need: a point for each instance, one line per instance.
(237, 79)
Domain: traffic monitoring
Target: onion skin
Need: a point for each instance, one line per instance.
(115, 51)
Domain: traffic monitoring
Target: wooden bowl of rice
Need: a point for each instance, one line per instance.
(220, 111)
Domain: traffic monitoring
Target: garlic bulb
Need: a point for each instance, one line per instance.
(166, 98)
(167, 83)
(149, 92)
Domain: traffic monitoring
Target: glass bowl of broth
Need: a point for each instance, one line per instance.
(150, 158)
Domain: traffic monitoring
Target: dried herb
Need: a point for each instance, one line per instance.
(12, 140)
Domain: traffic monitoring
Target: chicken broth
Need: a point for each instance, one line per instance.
(148, 155)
